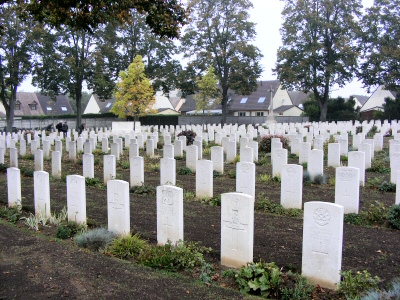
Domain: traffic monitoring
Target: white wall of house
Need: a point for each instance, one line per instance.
(92, 107)
(2, 109)
(281, 98)
(292, 112)
(377, 99)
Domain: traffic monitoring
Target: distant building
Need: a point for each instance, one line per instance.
(375, 102)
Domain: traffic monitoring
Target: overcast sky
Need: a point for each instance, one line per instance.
(267, 16)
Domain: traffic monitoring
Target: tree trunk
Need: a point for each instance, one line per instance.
(224, 103)
(10, 110)
(323, 108)
(78, 99)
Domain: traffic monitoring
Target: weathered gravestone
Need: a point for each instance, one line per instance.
(246, 178)
(56, 164)
(347, 189)
(292, 186)
(13, 158)
(204, 179)
(356, 159)
(14, 187)
(109, 165)
(41, 194)
(88, 165)
(322, 243)
(237, 229)
(279, 159)
(136, 171)
(315, 164)
(334, 155)
(167, 171)
(191, 157)
(76, 198)
(169, 214)
(217, 157)
(38, 157)
(118, 207)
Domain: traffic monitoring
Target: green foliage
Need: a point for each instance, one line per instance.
(214, 201)
(355, 219)
(127, 247)
(206, 273)
(265, 178)
(189, 195)
(320, 179)
(372, 131)
(144, 189)
(67, 230)
(264, 145)
(353, 285)
(27, 171)
(343, 158)
(183, 255)
(326, 144)
(93, 182)
(387, 187)
(274, 208)
(295, 287)
(378, 165)
(190, 136)
(95, 239)
(154, 167)
(375, 213)
(338, 109)
(32, 222)
(216, 174)
(259, 278)
(374, 183)
(209, 94)
(264, 161)
(125, 165)
(393, 216)
(57, 219)
(3, 168)
(232, 174)
(11, 214)
(185, 171)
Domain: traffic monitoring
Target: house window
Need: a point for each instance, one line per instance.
(260, 114)
(17, 105)
(32, 106)
(242, 113)
(49, 108)
(108, 105)
(261, 100)
(244, 100)
(63, 108)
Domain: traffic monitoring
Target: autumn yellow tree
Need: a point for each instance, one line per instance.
(133, 93)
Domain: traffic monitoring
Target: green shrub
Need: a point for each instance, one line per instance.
(190, 135)
(264, 161)
(11, 214)
(26, 171)
(378, 166)
(354, 219)
(29, 156)
(393, 216)
(275, 208)
(185, 171)
(265, 178)
(353, 285)
(3, 168)
(320, 179)
(372, 131)
(295, 287)
(216, 174)
(232, 174)
(127, 247)
(95, 239)
(183, 255)
(93, 181)
(66, 231)
(206, 273)
(264, 145)
(154, 167)
(343, 158)
(374, 183)
(125, 165)
(387, 187)
(259, 279)
(375, 214)
(144, 189)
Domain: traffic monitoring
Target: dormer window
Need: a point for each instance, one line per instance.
(17, 105)
(244, 100)
(49, 108)
(108, 105)
(261, 100)
(63, 108)
(33, 105)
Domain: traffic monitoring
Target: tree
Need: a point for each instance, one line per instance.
(209, 93)
(219, 35)
(391, 109)
(63, 64)
(165, 18)
(319, 46)
(381, 49)
(15, 54)
(134, 93)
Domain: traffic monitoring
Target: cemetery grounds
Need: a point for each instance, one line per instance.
(37, 265)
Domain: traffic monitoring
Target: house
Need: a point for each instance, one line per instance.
(188, 107)
(360, 100)
(375, 102)
(97, 106)
(36, 104)
(259, 102)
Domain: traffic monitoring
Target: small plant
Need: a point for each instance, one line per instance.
(67, 230)
(190, 136)
(215, 201)
(393, 216)
(265, 178)
(32, 222)
(320, 179)
(3, 168)
(189, 195)
(387, 187)
(26, 171)
(125, 165)
(264, 161)
(372, 131)
(277, 179)
(127, 247)
(378, 166)
(375, 214)
(95, 239)
(354, 219)
(216, 174)
(232, 174)
(206, 273)
(343, 158)
(295, 286)
(374, 183)
(154, 167)
(58, 219)
(29, 156)
(305, 165)
(264, 145)
(93, 182)
(353, 285)
(185, 171)
(259, 278)
(236, 159)
(274, 208)
(306, 178)
(392, 293)
(144, 189)
(11, 214)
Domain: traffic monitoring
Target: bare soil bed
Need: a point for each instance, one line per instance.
(40, 266)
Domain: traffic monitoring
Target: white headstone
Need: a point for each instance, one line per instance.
(168, 151)
(394, 166)
(315, 165)
(41, 193)
(22, 147)
(56, 164)
(199, 145)
(191, 157)
(347, 189)
(167, 171)
(366, 148)
(292, 186)
(13, 158)
(322, 243)
(217, 157)
(136, 171)
(246, 178)
(279, 160)
(14, 187)
(204, 179)
(169, 214)
(305, 148)
(104, 145)
(76, 198)
(334, 155)
(397, 201)
(88, 165)
(230, 151)
(150, 147)
(356, 159)
(237, 229)
(38, 160)
(109, 165)
(118, 207)
(178, 149)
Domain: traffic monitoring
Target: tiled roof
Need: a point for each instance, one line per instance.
(60, 106)
(283, 108)
(104, 105)
(298, 97)
(28, 101)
